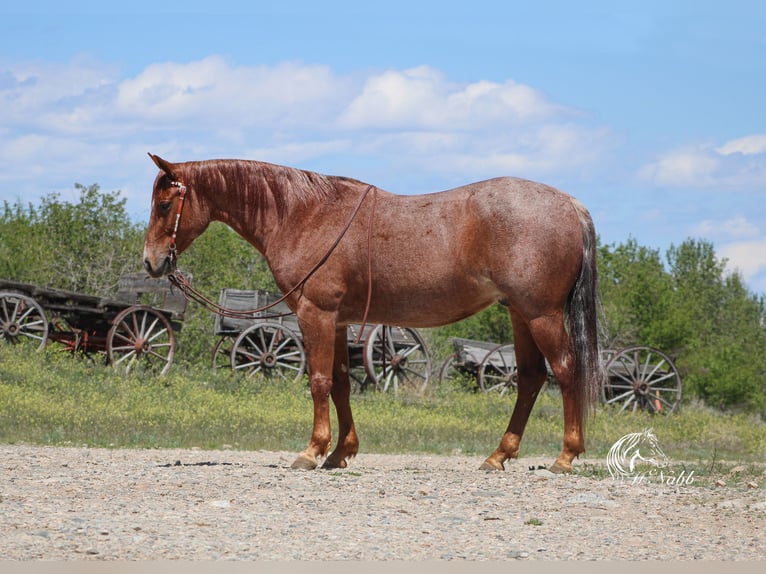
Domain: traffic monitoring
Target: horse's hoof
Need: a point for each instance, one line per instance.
(560, 468)
(304, 462)
(329, 464)
(491, 465)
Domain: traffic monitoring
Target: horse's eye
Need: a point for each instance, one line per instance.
(163, 207)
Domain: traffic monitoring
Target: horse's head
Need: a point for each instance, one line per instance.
(174, 221)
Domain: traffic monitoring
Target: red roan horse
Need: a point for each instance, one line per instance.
(429, 260)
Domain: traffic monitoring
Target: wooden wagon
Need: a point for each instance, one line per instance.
(637, 377)
(135, 328)
(269, 343)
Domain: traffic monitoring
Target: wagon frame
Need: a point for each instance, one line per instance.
(270, 343)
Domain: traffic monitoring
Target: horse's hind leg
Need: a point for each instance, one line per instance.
(554, 341)
(348, 442)
(532, 374)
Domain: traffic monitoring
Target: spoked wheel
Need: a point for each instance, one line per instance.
(222, 353)
(455, 370)
(22, 320)
(497, 371)
(448, 370)
(642, 378)
(270, 350)
(141, 338)
(396, 359)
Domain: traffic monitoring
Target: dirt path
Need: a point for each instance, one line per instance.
(81, 503)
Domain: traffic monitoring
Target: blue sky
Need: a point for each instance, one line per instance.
(652, 113)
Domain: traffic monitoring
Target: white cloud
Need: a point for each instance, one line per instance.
(738, 226)
(294, 153)
(211, 92)
(748, 145)
(82, 122)
(749, 258)
(689, 167)
(737, 164)
(423, 98)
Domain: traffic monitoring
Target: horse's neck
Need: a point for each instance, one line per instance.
(247, 210)
(260, 201)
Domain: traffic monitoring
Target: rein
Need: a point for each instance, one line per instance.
(192, 294)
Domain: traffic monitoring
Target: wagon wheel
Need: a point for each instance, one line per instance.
(642, 378)
(456, 370)
(141, 336)
(271, 350)
(497, 371)
(22, 320)
(222, 353)
(397, 359)
(448, 370)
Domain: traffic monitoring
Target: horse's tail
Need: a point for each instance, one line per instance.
(583, 310)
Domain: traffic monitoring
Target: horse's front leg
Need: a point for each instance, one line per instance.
(348, 442)
(319, 340)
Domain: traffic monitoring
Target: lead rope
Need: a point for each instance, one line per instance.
(369, 270)
(183, 284)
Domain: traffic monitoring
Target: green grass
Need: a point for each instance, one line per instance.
(52, 398)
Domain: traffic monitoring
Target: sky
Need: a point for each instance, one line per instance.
(652, 113)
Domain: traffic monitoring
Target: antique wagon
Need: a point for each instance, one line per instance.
(637, 377)
(134, 329)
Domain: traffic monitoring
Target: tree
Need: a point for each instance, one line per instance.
(21, 246)
(636, 297)
(83, 247)
(725, 356)
(689, 307)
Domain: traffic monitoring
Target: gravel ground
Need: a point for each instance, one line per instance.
(100, 504)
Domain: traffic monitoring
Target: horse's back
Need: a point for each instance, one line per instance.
(454, 252)
(502, 215)
(507, 199)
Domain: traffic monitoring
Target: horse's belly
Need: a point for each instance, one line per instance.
(431, 304)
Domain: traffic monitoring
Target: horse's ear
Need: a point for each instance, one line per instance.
(165, 166)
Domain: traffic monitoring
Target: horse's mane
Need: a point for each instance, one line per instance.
(252, 182)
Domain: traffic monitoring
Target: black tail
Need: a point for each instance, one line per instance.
(583, 311)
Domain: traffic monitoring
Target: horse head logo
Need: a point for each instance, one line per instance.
(633, 453)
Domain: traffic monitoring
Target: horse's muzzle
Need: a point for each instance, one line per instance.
(163, 269)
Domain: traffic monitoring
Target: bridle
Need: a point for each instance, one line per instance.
(183, 284)
(172, 246)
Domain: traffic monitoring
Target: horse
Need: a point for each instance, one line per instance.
(343, 251)
(634, 450)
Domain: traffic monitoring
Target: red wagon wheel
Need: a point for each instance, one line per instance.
(141, 337)
(22, 320)
(397, 359)
(642, 378)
